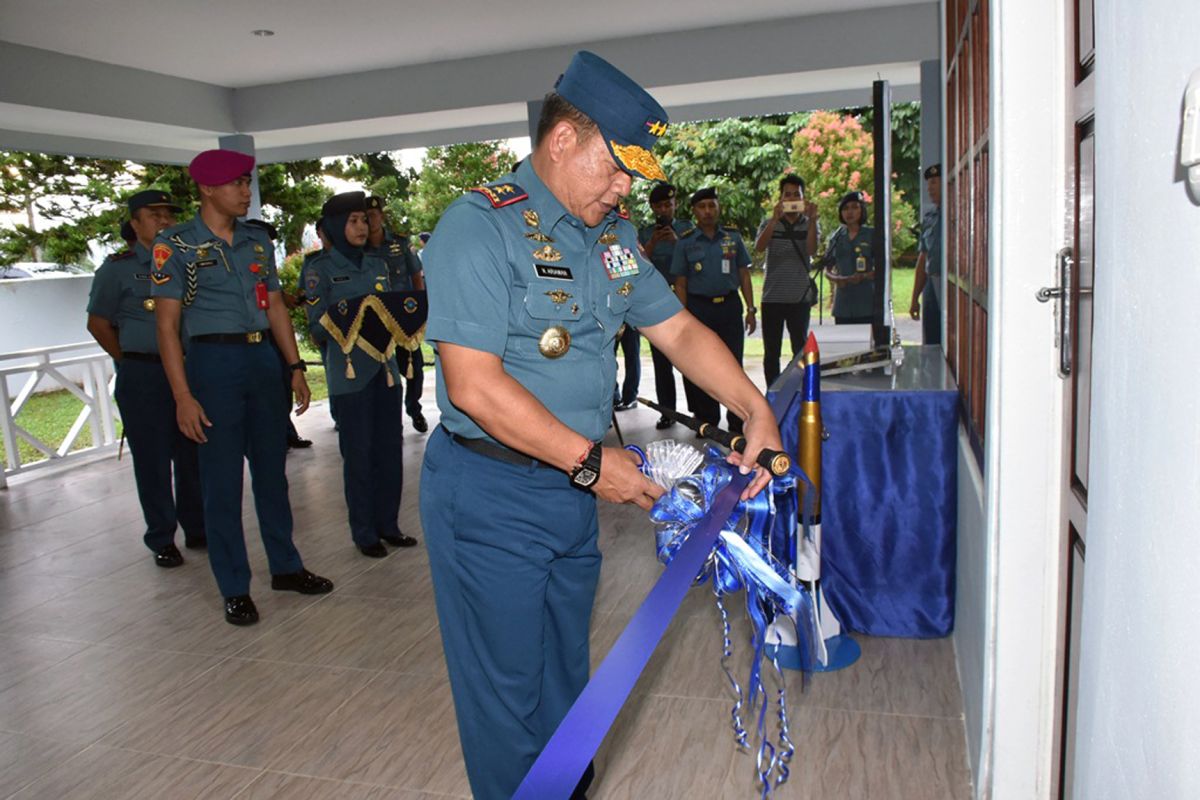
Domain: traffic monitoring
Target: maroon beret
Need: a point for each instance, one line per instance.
(217, 167)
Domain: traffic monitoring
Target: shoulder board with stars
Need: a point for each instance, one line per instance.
(124, 254)
(730, 229)
(502, 194)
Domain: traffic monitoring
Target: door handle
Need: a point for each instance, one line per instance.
(1062, 294)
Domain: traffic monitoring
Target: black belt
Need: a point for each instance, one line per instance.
(253, 337)
(497, 451)
(721, 298)
(153, 358)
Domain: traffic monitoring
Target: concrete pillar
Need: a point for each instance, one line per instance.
(931, 120)
(533, 112)
(243, 143)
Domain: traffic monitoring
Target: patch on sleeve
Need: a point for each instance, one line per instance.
(160, 278)
(312, 301)
(502, 194)
(162, 254)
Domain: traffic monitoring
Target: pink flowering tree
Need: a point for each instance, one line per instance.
(834, 154)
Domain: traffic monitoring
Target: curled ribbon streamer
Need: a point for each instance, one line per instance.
(744, 557)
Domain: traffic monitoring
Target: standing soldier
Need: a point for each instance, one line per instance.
(710, 264)
(121, 319)
(370, 429)
(404, 270)
(658, 244)
(529, 282)
(927, 284)
(216, 275)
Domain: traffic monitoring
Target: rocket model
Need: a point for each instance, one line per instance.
(834, 650)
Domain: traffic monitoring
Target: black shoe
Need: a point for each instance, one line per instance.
(196, 542)
(626, 406)
(296, 443)
(664, 422)
(399, 540)
(168, 556)
(303, 582)
(419, 422)
(240, 610)
(376, 550)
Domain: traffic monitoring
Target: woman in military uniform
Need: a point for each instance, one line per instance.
(849, 265)
(370, 428)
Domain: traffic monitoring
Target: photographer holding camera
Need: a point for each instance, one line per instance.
(658, 245)
(789, 237)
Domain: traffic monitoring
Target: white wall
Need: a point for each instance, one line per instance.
(1139, 703)
(970, 598)
(43, 312)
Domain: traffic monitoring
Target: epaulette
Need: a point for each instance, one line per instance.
(731, 229)
(622, 211)
(121, 256)
(688, 232)
(502, 194)
(176, 228)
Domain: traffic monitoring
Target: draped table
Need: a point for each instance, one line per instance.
(889, 492)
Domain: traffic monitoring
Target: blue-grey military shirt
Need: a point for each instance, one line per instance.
(663, 250)
(931, 245)
(844, 254)
(121, 294)
(402, 263)
(712, 266)
(329, 277)
(214, 279)
(507, 263)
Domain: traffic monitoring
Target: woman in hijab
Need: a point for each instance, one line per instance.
(370, 425)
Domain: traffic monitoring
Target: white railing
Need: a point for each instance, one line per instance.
(82, 369)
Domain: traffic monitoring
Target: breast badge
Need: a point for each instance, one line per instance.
(547, 253)
(148, 304)
(531, 218)
(558, 296)
(555, 342)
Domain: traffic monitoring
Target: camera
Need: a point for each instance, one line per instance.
(793, 206)
(662, 222)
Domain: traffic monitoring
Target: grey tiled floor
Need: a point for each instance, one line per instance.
(121, 680)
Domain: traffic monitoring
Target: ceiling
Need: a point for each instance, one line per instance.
(158, 81)
(211, 41)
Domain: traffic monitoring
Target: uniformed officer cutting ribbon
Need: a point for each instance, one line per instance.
(217, 274)
(529, 281)
(121, 319)
(370, 429)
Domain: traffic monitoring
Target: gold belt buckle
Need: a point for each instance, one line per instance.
(254, 337)
(718, 299)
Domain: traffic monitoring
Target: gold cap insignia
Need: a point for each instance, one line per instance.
(559, 296)
(547, 253)
(555, 342)
(531, 217)
(638, 160)
(148, 304)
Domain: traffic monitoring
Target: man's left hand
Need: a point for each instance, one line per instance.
(751, 322)
(760, 431)
(810, 210)
(300, 392)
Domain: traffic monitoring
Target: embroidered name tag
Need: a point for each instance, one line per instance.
(211, 262)
(339, 279)
(141, 276)
(553, 272)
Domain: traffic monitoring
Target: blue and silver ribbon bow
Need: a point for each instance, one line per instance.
(756, 543)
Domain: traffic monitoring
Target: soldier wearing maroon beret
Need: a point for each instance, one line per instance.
(215, 277)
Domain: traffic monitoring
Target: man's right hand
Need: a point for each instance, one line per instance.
(914, 310)
(191, 419)
(622, 482)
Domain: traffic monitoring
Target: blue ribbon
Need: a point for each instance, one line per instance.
(556, 771)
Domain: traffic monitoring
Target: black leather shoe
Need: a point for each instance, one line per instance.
(419, 423)
(240, 610)
(399, 540)
(196, 542)
(303, 582)
(168, 556)
(376, 550)
(296, 443)
(664, 422)
(626, 406)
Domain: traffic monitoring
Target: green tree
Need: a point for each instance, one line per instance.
(449, 172)
(743, 157)
(379, 174)
(292, 195)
